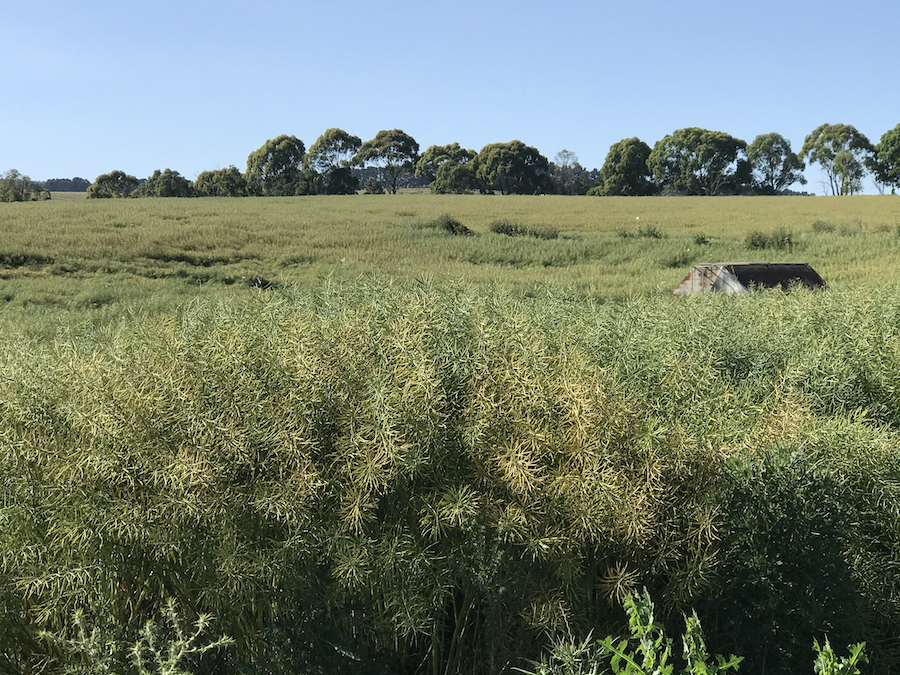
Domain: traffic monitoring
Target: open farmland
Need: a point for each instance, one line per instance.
(84, 254)
(356, 438)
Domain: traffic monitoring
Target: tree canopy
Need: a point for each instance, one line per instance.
(625, 172)
(449, 168)
(512, 168)
(227, 182)
(697, 161)
(393, 151)
(568, 176)
(775, 166)
(275, 169)
(166, 183)
(887, 158)
(114, 184)
(843, 153)
(328, 161)
(334, 148)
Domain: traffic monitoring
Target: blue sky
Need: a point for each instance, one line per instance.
(193, 84)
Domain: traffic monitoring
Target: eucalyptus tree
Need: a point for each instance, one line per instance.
(562, 170)
(887, 158)
(625, 172)
(276, 168)
(775, 166)
(331, 158)
(844, 154)
(512, 168)
(449, 168)
(113, 184)
(568, 176)
(697, 161)
(228, 182)
(166, 183)
(393, 151)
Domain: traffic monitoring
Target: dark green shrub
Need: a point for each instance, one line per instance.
(451, 225)
(757, 240)
(781, 240)
(511, 229)
(650, 232)
(822, 227)
(645, 232)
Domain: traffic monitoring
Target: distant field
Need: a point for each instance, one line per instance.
(67, 196)
(76, 254)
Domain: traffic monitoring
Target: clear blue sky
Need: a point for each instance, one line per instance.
(191, 85)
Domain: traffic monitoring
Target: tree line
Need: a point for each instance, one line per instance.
(66, 184)
(16, 187)
(689, 161)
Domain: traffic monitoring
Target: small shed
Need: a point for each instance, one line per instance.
(740, 277)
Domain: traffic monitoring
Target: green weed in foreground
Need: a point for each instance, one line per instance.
(828, 663)
(649, 651)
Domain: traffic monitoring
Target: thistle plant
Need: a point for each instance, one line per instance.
(168, 649)
(89, 649)
(158, 649)
(567, 657)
